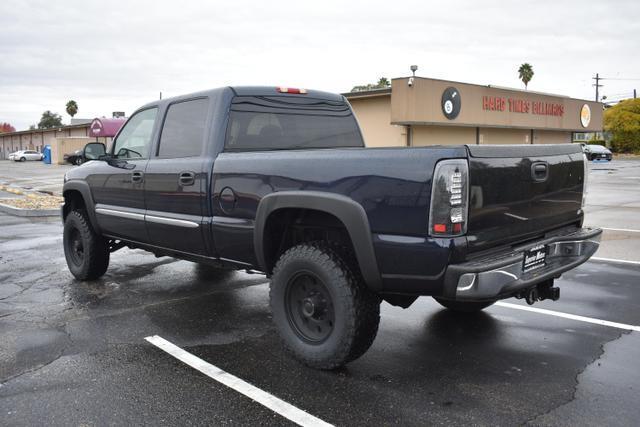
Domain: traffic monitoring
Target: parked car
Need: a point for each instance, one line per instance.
(278, 180)
(597, 152)
(75, 158)
(24, 155)
(78, 157)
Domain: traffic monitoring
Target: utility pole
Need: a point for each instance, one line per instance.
(161, 95)
(597, 78)
(634, 94)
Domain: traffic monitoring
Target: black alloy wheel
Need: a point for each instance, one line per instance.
(76, 247)
(309, 307)
(322, 309)
(86, 252)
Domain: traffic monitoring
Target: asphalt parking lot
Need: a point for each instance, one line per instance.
(75, 353)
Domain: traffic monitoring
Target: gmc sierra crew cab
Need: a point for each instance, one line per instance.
(277, 180)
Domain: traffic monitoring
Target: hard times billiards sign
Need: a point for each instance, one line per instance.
(515, 105)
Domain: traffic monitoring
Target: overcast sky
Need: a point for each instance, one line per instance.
(115, 58)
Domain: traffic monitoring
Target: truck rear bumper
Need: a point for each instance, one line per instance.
(495, 277)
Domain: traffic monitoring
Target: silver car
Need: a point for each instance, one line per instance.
(24, 155)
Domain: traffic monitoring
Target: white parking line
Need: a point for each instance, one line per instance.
(278, 406)
(621, 261)
(570, 316)
(621, 229)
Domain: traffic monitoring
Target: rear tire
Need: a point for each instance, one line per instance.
(324, 314)
(464, 306)
(86, 252)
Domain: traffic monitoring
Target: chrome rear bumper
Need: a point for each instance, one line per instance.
(492, 278)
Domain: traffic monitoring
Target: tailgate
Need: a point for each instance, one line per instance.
(519, 192)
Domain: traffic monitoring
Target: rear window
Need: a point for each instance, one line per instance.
(183, 130)
(285, 122)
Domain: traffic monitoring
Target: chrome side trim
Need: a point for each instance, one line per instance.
(120, 214)
(172, 221)
(150, 218)
(225, 221)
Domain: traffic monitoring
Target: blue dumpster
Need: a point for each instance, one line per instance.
(46, 154)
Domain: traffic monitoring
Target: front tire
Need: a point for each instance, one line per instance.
(86, 252)
(464, 306)
(324, 314)
(23, 159)
(78, 161)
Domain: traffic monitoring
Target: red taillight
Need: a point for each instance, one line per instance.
(449, 198)
(440, 228)
(291, 90)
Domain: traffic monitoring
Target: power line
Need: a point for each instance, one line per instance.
(615, 78)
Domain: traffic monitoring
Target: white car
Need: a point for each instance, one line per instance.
(24, 155)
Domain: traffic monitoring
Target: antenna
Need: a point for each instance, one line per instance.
(414, 68)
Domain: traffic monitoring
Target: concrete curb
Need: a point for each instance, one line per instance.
(29, 212)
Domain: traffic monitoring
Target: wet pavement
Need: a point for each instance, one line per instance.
(74, 353)
(33, 175)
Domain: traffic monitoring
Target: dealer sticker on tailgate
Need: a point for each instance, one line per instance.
(535, 258)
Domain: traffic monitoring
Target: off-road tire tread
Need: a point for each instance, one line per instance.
(364, 316)
(96, 252)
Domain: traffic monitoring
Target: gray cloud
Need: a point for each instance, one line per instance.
(119, 56)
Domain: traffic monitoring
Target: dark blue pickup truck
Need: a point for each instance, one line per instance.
(277, 180)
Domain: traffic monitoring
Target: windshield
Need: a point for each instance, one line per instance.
(597, 148)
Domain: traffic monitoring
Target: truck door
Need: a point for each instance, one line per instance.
(118, 186)
(175, 181)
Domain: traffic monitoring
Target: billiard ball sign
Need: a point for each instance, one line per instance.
(451, 103)
(585, 115)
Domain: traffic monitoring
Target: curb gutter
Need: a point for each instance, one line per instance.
(29, 212)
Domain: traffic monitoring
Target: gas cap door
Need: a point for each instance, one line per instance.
(227, 200)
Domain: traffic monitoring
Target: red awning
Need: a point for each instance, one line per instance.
(105, 127)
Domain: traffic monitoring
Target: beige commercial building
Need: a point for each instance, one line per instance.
(63, 140)
(418, 111)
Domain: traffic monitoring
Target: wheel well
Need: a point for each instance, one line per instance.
(287, 227)
(72, 200)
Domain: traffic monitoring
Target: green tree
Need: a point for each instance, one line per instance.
(72, 108)
(525, 72)
(623, 121)
(383, 83)
(50, 120)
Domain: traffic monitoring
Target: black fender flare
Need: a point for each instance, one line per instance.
(351, 213)
(83, 188)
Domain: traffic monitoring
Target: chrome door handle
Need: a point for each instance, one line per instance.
(187, 178)
(137, 176)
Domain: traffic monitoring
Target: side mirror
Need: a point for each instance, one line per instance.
(94, 150)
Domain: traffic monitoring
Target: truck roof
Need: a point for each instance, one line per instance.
(246, 91)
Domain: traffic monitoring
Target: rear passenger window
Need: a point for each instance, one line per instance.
(183, 130)
(276, 123)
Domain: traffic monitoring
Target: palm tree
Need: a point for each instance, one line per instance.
(72, 108)
(383, 82)
(526, 74)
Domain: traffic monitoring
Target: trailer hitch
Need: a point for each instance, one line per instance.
(540, 292)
